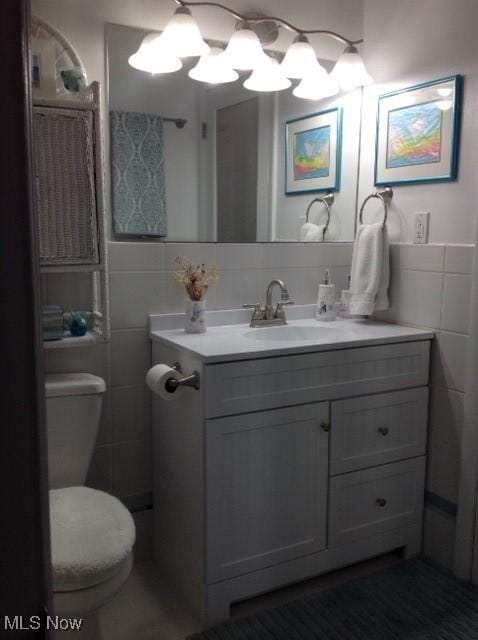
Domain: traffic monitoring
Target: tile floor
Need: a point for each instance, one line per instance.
(145, 609)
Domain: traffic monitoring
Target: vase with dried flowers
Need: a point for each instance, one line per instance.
(196, 279)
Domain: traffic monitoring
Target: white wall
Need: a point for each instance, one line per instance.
(408, 42)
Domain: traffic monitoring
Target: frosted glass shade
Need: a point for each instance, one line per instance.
(182, 35)
(267, 76)
(153, 57)
(349, 71)
(300, 60)
(244, 51)
(213, 67)
(316, 86)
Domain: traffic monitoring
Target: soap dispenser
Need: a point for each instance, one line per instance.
(326, 299)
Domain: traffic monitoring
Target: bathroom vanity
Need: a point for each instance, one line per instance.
(302, 451)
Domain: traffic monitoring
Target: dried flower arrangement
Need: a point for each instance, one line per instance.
(196, 279)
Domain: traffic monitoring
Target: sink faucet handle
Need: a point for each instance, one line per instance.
(286, 303)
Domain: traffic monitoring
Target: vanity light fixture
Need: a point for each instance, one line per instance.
(153, 56)
(213, 67)
(244, 50)
(349, 71)
(181, 38)
(182, 35)
(300, 59)
(316, 86)
(267, 76)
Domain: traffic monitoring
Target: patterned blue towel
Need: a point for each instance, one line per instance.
(138, 187)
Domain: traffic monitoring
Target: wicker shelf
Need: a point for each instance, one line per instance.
(98, 303)
(72, 268)
(68, 341)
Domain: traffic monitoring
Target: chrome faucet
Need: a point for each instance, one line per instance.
(267, 316)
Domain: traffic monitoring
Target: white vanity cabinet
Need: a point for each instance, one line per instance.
(284, 467)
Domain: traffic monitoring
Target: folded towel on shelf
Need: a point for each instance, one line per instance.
(370, 274)
(310, 232)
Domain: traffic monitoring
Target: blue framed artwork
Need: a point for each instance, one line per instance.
(417, 133)
(313, 152)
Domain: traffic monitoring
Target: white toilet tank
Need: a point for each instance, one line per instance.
(73, 407)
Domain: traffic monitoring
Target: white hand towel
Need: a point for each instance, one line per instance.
(310, 232)
(370, 273)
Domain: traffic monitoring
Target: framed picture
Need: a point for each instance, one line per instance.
(417, 133)
(313, 150)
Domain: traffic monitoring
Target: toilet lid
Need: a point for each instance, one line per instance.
(92, 534)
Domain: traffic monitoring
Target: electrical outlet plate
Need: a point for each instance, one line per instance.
(422, 220)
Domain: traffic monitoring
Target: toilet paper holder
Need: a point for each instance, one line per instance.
(194, 380)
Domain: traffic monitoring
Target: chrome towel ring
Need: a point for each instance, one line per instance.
(384, 195)
(327, 201)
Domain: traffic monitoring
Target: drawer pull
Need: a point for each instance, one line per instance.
(325, 426)
(383, 430)
(381, 502)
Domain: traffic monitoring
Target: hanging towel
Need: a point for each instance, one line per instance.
(137, 163)
(310, 232)
(370, 273)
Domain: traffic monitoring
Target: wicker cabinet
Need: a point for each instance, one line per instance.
(70, 205)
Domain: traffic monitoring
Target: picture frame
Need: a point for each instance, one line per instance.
(417, 133)
(313, 149)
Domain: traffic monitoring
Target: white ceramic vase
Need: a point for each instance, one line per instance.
(195, 316)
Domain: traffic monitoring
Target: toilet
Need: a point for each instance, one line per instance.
(92, 533)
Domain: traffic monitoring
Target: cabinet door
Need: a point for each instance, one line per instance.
(266, 488)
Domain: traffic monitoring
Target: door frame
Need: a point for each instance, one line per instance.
(25, 587)
(209, 101)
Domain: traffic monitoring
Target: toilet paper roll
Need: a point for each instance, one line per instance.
(157, 377)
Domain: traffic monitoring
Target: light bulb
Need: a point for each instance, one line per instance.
(267, 76)
(349, 71)
(244, 50)
(444, 92)
(444, 105)
(300, 59)
(213, 67)
(182, 35)
(153, 57)
(316, 86)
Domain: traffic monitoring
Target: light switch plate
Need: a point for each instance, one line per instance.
(422, 220)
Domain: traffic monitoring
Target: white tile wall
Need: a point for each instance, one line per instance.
(455, 311)
(430, 288)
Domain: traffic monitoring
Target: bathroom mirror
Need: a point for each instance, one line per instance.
(224, 169)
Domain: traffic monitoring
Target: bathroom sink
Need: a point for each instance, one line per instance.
(291, 333)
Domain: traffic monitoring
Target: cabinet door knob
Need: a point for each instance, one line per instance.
(325, 426)
(383, 430)
(381, 502)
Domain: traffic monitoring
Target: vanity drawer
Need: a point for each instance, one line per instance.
(374, 430)
(374, 501)
(266, 383)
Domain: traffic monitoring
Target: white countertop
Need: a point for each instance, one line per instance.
(230, 338)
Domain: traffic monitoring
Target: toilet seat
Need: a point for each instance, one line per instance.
(92, 536)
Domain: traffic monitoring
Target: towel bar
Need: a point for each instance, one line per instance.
(327, 201)
(384, 195)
